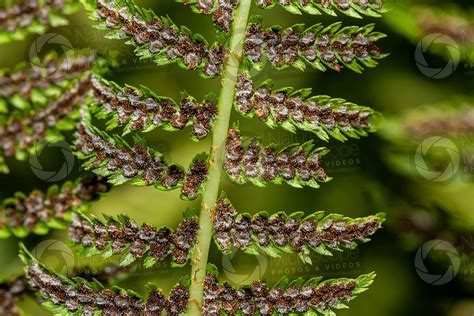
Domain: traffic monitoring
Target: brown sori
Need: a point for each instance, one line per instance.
(9, 293)
(20, 134)
(41, 76)
(25, 12)
(139, 161)
(280, 108)
(265, 164)
(233, 229)
(162, 39)
(258, 298)
(286, 46)
(40, 208)
(195, 178)
(223, 12)
(126, 236)
(76, 296)
(143, 110)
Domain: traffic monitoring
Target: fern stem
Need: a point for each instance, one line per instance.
(216, 160)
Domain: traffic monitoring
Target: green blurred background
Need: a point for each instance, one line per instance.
(363, 182)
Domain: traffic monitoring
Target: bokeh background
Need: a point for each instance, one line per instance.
(379, 173)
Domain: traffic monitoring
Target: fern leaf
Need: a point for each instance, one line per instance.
(15, 289)
(300, 297)
(297, 165)
(279, 233)
(291, 110)
(222, 10)
(320, 47)
(44, 115)
(40, 80)
(39, 212)
(114, 158)
(352, 8)
(123, 236)
(21, 133)
(156, 37)
(142, 109)
(23, 18)
(75, 296)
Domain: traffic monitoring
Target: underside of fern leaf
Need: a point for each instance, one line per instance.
(141, 109)
(122, 236)
(322, 115)
(157, 37)
(65, 296)
(222, 10)
(141, 165)
(290, 233)
(320, 47)
(285, 297)
(42, 101)
(38, 212)
(21, 17)
(298, 165)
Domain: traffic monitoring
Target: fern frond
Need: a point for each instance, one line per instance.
(280, 233)
(11, 291)
(25, 17)
(38, 212)
(297, 165)
(311, 297)
(142, 109)
(222, 10)
(114, 158)
(141, 165)
(156, 37)
(320, 47)
(353, 8)
(48, 96)
(37, 82)
(75, 296)
(14, 289)
(122, 236)
(21, 133)
(291, 110)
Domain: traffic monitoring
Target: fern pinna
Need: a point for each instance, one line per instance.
(37, 104)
